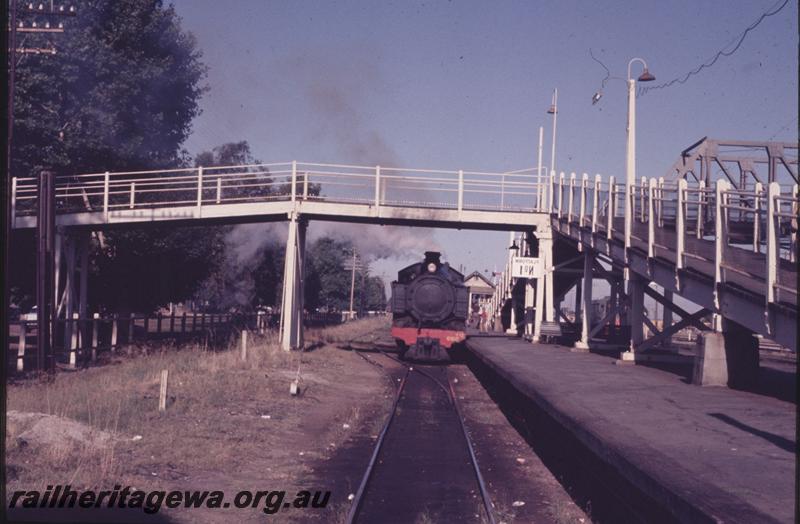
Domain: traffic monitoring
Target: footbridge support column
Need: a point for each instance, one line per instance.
(530, 248)
(511, 329)
(291, 324)
(586, 304)
(72, 301)
(636, 317)
(727, 358)
(545, 308)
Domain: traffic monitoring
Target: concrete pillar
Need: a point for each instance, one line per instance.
(710, 365)
(529, 298)
(741, 353)
(291, 327)
(636, 312)
(512, 317)
(300, 279)
(586, 306)
(635, 317)
(538, 312)
(546, 251)
(727, 358)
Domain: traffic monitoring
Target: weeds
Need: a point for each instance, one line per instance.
(213, 420)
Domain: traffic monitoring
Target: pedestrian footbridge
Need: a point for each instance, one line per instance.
(730, 249)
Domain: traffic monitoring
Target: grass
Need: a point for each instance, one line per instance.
(215, 415)
(363, 331)
(114, 397)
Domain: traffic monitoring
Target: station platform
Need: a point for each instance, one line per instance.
(700, 453)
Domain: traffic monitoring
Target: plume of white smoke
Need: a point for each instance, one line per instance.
(246, 240)
(377, 242)
(333, 85)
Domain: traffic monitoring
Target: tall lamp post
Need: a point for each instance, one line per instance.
(553, 111)
(635, 286)
(630, 159)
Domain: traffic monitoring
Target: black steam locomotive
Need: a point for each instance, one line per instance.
(429, 309)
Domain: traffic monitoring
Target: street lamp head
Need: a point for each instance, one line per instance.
(514, 247)
(552, 110)
(596, 97)
(646, 76)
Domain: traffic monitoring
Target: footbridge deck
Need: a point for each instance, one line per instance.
(270, 192)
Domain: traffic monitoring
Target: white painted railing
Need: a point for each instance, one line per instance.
(521, 190)
(734, 222)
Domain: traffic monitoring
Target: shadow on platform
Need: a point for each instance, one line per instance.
(783, 443)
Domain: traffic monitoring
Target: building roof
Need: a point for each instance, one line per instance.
(477, 283)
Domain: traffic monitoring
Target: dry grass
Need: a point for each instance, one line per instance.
(218, 408)
(114, 397)
(362, 331)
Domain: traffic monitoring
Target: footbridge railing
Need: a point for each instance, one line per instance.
(742, 238)
(110, 192)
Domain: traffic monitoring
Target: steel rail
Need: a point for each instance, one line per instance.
(487, 501)
(359, 496)
(453, 399)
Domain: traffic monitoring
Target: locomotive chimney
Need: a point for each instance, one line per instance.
(433, 256)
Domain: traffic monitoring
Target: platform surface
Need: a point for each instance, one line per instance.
(728, 454)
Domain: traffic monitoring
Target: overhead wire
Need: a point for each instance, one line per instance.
(722, 52)
(785, 127)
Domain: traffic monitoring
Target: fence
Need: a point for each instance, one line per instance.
(82, 339)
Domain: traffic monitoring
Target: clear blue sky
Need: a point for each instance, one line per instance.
(466, 84)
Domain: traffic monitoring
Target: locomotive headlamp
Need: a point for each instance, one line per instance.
(431, 267)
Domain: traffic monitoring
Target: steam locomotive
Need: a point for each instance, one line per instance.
(429, 309)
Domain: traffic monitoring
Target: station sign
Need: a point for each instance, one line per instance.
(526, 267)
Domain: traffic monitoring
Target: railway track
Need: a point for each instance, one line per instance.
(423, 463)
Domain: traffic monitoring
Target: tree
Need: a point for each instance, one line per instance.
(375, 294)
(326, 260)
(240, 282)
(120, 95)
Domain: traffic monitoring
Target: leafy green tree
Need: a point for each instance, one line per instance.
(326, 261)
(147, 268)
(120, 95)
(375, 294)
(328, 282)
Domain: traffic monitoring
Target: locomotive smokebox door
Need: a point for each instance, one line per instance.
(431, 298)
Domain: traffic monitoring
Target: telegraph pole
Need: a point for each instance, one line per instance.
(45, 285)
(40, 15)
(353, 266)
